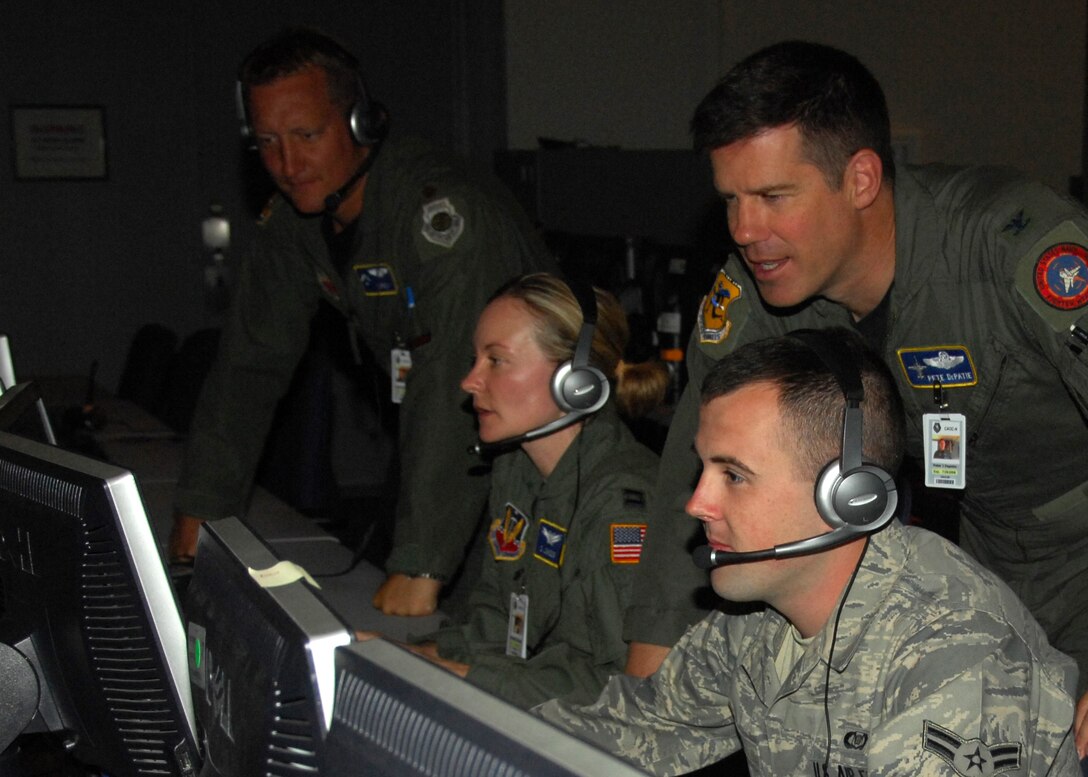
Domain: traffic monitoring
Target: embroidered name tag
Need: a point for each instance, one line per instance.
(950, 365)
(378, 279)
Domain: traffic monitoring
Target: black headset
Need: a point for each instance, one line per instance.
(577, 386)
(853, 497)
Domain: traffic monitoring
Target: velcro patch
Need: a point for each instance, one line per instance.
(627, 542)
(949, 365)
(442, 224)
(1053, 276)
(714, 323)
(378, 280)
(506, 536)
(551, 542)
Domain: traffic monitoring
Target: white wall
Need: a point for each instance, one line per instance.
(977, 81)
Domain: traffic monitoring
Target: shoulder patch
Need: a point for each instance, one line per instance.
(442, 224)
(1053, 276)
(714, 323)
(626, 541)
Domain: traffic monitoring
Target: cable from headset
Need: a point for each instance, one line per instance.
(831, 651)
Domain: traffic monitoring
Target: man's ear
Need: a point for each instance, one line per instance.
(864, 177)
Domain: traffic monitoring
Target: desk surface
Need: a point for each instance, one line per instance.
(134, 439)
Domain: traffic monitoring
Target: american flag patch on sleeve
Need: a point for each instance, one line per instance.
(627, 539)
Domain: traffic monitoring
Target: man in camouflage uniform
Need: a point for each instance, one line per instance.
(884, 651)
(409, 271)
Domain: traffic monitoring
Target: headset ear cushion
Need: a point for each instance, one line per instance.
(581, 390)
(864, 498)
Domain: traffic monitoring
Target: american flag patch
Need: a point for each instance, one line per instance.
(627, 539)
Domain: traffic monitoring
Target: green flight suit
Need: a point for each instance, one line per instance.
(572, 544)
(968, 243)
(429, 225)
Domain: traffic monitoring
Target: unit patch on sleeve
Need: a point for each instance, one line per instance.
(442, 224)
(949, 365)
(1053, 276)
(551, 541)
(506, 536)
(1061, 276)
(378, 280)
(970, 757)
(627, 540)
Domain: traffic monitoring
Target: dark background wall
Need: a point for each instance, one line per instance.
(84, 263)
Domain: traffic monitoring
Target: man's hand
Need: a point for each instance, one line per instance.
(1080, 726)
(183, 537)
(404, 595)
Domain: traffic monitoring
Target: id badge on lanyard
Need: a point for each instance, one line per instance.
(944, 437)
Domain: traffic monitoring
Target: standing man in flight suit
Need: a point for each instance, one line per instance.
(972, 284)
(407, 243)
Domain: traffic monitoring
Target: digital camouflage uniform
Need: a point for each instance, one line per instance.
(936, 669)
(968, 244)
(429, 224)
(572, 543)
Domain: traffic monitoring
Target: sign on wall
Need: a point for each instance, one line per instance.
(59, 142)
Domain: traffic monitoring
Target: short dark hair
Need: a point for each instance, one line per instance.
(828, 94)
(294, 49)
(811, 400)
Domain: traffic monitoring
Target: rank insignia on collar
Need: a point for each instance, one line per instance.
(627, 540)
(378, 279)
(507, 534)
(1061, 276)
(949, 365)
(442, 224)
(970, 757)
(551, 542)
(714, 324)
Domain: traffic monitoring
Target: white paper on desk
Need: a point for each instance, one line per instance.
(283, 573)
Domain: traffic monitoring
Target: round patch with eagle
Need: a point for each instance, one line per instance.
(1061, 276)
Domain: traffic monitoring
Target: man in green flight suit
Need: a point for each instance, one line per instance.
(973, 286)
(407, 243)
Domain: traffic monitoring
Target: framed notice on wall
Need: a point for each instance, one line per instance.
(59, 141)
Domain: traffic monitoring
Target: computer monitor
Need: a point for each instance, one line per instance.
(261, 649)
(398, 715)
(91, 635)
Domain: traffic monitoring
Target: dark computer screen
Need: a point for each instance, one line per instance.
(398, 715)
(90, 628)
(261, 653)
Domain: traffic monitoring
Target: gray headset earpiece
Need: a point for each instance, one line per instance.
(577, 386)
(850, 493)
